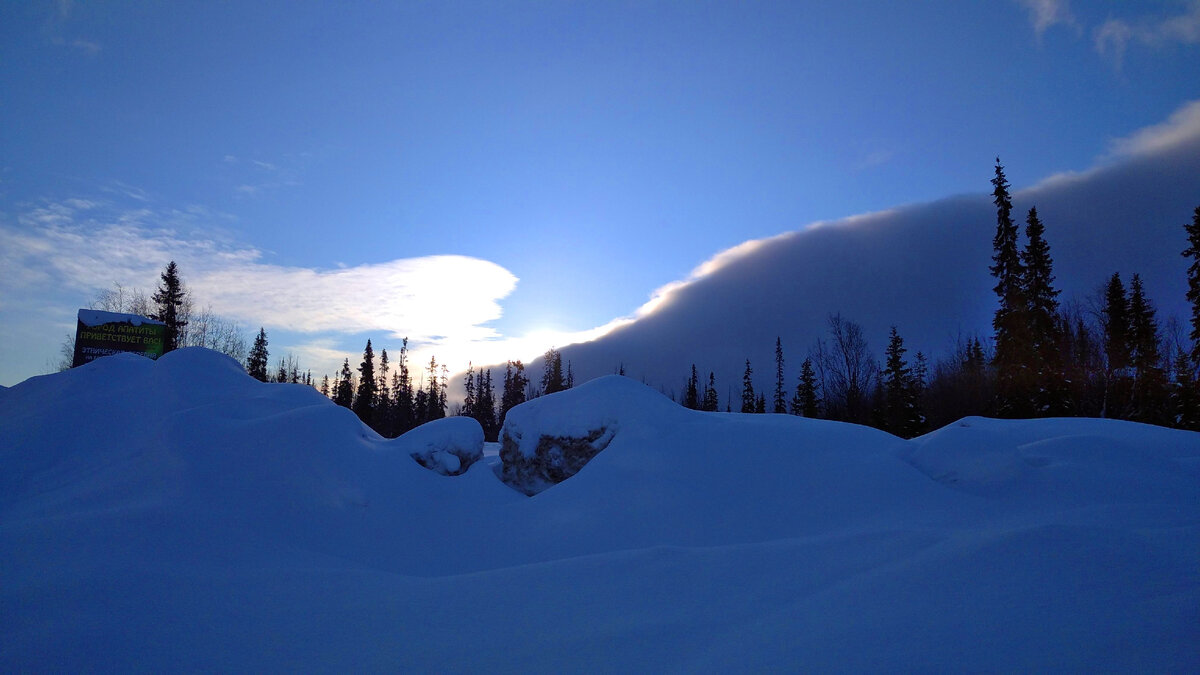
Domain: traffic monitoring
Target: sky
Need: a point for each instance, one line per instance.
(490, 179)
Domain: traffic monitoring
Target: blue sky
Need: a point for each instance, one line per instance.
(306, 162)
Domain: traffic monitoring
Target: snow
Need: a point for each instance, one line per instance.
(603, 403)
(96, 317)
(448, 445)
(177, 514)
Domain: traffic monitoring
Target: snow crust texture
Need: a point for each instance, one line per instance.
(178, 515)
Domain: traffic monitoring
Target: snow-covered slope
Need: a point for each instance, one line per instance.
(179, 515)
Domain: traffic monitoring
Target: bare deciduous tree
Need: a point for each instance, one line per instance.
(846, 369)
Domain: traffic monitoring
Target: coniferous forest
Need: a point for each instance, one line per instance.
(1110, 356)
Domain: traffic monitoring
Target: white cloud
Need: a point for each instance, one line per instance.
(1113, 36)
(1044, 14)
(1183, 124)
(442, 303)
(1182, 127)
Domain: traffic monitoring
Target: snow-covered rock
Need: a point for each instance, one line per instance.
(549, 439)
(448, 446)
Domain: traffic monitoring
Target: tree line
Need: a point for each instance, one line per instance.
(1044, 358)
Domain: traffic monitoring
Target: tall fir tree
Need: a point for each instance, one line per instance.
(901, 410)
(366, 398)
(1149, 397)
(405, 404)
(806, 402)
(513, 392)
(1115, 322)
(443, 390)
(1014, 378)
(485, 405)
(1185, 397)
(385, 409)
(1050, 397)
(780, 400)
(343, 394)
(256, 362)
(420, 407)
(1193, 279)
(749, 400)
(710, 402)
(168, 303)
(325, 386)
(691, 395)
(553, 379)
(435, 401)
(468, 404)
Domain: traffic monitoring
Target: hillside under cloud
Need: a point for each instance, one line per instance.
(922, 268)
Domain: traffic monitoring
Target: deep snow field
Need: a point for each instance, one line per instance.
(179, 515)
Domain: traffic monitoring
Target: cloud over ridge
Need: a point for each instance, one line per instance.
(922, 267)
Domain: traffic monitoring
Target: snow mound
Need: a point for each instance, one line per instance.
(448, 446)
(1060, 461)
(158, 513)
(549, 439)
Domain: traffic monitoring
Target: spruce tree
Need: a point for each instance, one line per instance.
(1014, 386)
(1115, 321)
(420, 407)
(552, 375)
(780, 402)
(325, 386)
(710, 403)
(806, 402)
(513, 393)
(256, 362)
(748, 398)
(343, 394)
(1185, 397)
(900, 411)
(1050, 393)
(468, 405)
(760, 404)
(1193, 279)
(366, 397)
(385, 409)
(434, 401)
(406, 417)
(485, 405)
(1149, 400)
(168, 301)
(691, 396)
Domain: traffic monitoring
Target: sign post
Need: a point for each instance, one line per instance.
(100, 333)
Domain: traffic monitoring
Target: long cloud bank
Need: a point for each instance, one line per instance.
(922, 268)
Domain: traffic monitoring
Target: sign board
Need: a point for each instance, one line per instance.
(102, 333)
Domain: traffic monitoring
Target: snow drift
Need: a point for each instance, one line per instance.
(180, 515)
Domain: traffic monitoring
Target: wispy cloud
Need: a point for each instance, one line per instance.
(1112, 38)
(1045, 14)
(256, 177)
(874, 158)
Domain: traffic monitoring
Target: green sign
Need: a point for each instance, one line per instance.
(102, 333)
